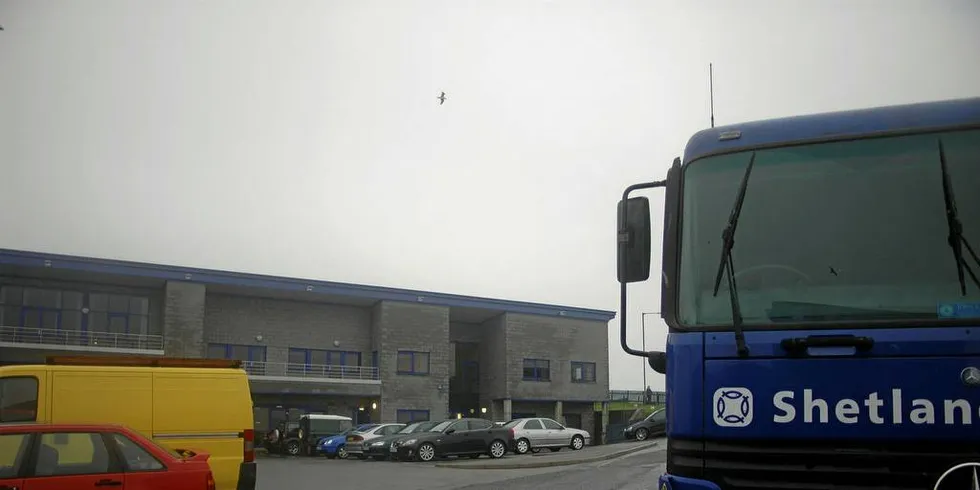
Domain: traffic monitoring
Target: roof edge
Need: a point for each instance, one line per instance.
(262, 281)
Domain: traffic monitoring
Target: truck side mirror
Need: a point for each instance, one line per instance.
(633, 240)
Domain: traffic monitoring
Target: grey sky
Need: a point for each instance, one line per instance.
(304, 138)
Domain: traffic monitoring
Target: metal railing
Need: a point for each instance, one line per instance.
(315, 371)
(81, 338)
(637, 396)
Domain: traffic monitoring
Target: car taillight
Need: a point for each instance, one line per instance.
(249, 445)
(211, 484)
(357, 439)
(512, 432)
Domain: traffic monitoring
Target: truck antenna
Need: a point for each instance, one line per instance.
(711, 93)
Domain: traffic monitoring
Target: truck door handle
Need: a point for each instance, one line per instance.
(108, 483)
(798, 345)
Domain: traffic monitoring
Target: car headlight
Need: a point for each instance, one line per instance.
(409, 442)
(379, 443)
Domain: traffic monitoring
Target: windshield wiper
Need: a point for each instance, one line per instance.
(956, 239)
(726, 263)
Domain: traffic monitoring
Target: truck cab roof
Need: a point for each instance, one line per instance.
(946, 114)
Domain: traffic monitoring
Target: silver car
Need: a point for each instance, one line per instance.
(537, 433)
(356, 440)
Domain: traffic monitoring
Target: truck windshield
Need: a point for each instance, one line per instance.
(841, 231)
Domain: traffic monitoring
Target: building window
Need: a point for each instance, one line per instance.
(583, 372)
(374, 359)
(118, 313)
(318, 357)
(537, 370)
(252, 353)
(58, 313)
(412, 362)
(406, 416)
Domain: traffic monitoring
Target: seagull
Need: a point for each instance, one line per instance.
(442, 98)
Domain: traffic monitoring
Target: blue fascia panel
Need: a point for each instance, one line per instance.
(258, 281)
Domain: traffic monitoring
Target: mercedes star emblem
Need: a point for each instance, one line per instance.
(957, 475)
(970, 376)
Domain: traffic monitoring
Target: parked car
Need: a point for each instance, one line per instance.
(358, 439)
(336, 446)
(276, 439)
(378, 449)
(536, 433)
(313, 427)
(455, 437)
(654, 425)
(96, 455)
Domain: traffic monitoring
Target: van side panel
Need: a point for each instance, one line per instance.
(103, 396)
(206, 410)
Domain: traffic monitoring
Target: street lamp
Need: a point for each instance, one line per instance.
(643, 331)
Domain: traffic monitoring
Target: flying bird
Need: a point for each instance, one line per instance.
(442, 98)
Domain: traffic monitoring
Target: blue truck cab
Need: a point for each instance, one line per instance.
(820, 285)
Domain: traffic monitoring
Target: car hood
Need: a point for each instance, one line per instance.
(332, 440)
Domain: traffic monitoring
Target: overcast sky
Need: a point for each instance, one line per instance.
(304, 138)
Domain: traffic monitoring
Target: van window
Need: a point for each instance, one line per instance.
(18, 399)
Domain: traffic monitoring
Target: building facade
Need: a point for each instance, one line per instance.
(373, 353)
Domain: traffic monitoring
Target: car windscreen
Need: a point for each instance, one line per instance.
(841, 231)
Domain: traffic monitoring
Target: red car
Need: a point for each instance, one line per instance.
(70, 456)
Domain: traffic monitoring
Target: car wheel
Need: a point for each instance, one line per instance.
(342, 452)
(522, 446)
(578, 443)
(426, 452)
(292, 448)
(497, 449)
(642, 434)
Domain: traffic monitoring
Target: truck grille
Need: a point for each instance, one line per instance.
(821, 465)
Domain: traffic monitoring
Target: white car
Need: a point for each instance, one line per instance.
(534, 434)
(356, 440)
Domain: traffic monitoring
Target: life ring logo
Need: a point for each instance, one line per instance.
(732, 407)
(960, 477)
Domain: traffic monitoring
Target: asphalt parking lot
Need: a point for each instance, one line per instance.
(635, 471)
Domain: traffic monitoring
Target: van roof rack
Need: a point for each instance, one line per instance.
(143, 361)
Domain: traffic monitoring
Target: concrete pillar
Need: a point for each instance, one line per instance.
(508, 409)
(183, 319)
(605, 421)
(559, 415)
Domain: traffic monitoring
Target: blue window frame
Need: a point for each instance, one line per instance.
(407, 416)
(413, 362)
(537, 370)
(251, 353)
(321, 357)
(583, 372)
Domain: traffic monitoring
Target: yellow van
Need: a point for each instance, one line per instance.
(200, 404)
